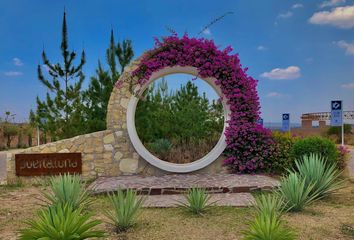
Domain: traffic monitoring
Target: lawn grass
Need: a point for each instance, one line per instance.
(323, 220)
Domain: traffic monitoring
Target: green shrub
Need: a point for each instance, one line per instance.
(197, 201)
(161, 147)
(295, 192)
(267, 227)
(315, 145)
(338, 130)
(126, 207)
(282, 157)
(67, 189)
(60, 223)
(343, 157)
(324, 177)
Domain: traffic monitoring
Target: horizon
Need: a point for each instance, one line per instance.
(302, 53)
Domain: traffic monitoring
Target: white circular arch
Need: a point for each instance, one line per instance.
(149, 157)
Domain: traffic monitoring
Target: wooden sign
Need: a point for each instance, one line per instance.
(40, 164)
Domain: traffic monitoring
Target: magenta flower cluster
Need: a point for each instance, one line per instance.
(248, 143)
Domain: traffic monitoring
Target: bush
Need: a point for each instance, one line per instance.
(295, 192)
(161, 147)
(338, 130)
(282, 157)
(315, 145)
(198, 201)
(343, 157)
(60, 222)
(67, 189)
(126, 206)
(322, 176)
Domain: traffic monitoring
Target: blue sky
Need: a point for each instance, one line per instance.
(302, 52)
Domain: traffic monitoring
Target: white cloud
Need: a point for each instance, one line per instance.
(207, 31)
(342, 17)
(349, 47)
(348, 85)
(17, 61)
(274, 95)
(297, 5)
(331, 3)
(290, 72)
(13, 74)
(287, 14)
(261, 48)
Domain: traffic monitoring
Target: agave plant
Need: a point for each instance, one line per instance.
(67, 189)
(269, 204)
(60, 222)
(316, 171)
(126, 207)
(197, 201)
(267, 226)
(296, 193)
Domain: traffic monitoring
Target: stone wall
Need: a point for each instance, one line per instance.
(105, 153)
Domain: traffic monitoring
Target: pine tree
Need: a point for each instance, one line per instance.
(99, 91)
(124, 53)
(96, 100)
(60, 114)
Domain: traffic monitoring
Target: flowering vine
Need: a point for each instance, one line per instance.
(248, 143)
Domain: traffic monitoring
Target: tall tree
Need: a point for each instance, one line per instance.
(60, 114)
(99, 91)
(124, 53)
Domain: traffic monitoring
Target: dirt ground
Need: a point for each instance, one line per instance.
(323, 220)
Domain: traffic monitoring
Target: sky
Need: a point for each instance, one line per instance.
(302, 52)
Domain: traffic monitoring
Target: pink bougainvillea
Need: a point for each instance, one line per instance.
(248, 143)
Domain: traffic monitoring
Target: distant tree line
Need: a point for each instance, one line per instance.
(9, 131)
(68, 110)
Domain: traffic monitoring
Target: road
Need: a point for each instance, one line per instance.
(351, 164)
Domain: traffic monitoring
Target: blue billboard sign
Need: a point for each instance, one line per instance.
(285, 122)
(336, 113)
(260, 121)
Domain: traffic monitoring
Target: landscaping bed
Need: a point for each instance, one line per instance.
(322, 220)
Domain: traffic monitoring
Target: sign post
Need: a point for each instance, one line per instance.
(286, 122)
(337, 116)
